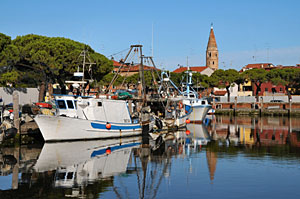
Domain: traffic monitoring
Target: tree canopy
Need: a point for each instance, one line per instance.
(257, 76)
(225, 79)
(39, 59)
(288, 77)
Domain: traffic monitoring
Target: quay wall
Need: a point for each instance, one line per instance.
(249, 99)
(26, 95)
(258, 105)
(258, 108)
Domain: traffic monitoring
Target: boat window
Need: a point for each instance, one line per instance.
(70, 175)
(60, 176)
(70, 104)
(203, 102)
(192, 96)
(61, 104)
(99, 103)
(75, 102)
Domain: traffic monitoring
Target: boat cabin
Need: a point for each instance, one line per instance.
(93, 109)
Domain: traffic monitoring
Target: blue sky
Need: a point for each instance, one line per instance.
(246, 31)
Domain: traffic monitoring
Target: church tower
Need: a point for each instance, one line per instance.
(212, 55)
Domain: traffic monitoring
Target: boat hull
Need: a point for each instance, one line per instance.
(199, 113)
(58, 128)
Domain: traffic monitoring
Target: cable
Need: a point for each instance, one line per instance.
(119, 52)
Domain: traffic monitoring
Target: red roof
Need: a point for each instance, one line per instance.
(136, 68)
(259, 65)
(195, 68)
(220, 93)
(280, 66)
(116, 64)
(266, 66)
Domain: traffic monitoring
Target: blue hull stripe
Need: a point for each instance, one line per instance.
(115, 127)
(204, 106)
(103, 151)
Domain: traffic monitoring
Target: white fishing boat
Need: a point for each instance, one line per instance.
(191, 108)
(199, 107)
(85, 161)
(82, 118)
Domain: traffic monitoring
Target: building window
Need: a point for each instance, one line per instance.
(216, 54)
(213, 63)
(281, 89)
(209, 54)
(266, 89)
(247, 88)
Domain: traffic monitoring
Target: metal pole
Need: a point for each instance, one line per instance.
(142, 77)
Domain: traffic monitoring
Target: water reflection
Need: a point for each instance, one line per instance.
(264, 130)
(171, 165)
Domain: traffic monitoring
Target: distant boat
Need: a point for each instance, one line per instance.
(83, 118)
(199, 107)
(195, 109)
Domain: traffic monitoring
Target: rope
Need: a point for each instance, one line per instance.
(126, 75)
(119, 52)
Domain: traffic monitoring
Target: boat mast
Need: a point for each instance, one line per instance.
(189, 76)
(123, 63)
(142, 77)
(80, 74)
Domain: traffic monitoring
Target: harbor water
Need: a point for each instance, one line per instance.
(227, 157)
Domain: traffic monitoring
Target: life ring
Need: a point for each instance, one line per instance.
(180, 105)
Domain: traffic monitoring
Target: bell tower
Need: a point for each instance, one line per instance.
(212, 54)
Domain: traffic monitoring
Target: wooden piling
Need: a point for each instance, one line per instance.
(261, 106)
(235, 104)
(290, 107)
(16, 110)
(15, 176)
(130, 106)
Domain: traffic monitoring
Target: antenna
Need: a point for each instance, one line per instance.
(152, 40)
(187, 62)
(268, 46)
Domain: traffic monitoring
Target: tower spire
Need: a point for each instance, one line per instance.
(212, 55)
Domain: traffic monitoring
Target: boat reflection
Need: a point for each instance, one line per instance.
(78, 163)
(199, 134)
